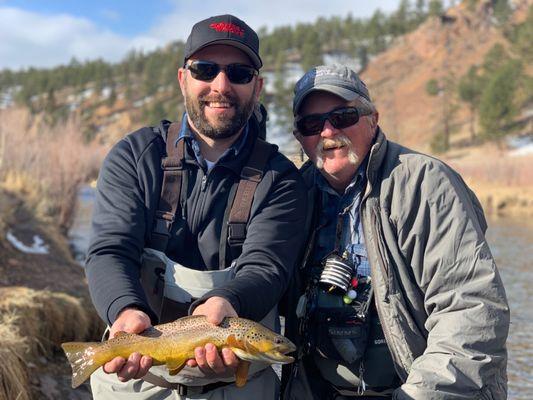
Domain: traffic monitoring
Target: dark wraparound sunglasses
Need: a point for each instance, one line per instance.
(207, 71)
(340, 118)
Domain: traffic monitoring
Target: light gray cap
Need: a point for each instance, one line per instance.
(337, 79)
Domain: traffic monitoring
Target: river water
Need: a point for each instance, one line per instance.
(511, 242)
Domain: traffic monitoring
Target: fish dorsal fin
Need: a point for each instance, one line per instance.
(152, 332)
(121, 333)
(241, 374)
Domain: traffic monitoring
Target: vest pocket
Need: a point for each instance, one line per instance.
(340, 334)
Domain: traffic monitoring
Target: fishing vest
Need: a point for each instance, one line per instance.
(344, 341)
(170, 287)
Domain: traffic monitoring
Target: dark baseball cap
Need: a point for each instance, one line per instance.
(224, 29)
(336, 79)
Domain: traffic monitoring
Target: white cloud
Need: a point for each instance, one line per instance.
(177, 23)
(43, 40)
(31, 39)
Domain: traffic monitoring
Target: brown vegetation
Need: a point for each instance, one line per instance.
(43, 302)
(43, 297)
(32, 325)
(13, 348)
(503, 184)
(46, 164)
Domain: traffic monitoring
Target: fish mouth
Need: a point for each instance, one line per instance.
(278, 354)
(276, 357)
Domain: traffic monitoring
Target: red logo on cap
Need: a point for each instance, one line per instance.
(227, 27)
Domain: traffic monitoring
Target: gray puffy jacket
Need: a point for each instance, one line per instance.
(438, 292)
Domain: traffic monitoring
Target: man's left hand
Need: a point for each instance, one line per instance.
(215, 309)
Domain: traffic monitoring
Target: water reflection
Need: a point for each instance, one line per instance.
(511, 242)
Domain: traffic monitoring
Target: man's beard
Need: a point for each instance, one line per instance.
(341, 140)
(225, 127)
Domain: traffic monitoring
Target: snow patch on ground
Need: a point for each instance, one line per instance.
(38, 246)
(521, 146)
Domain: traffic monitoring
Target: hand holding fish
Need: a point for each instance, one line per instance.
(207, 358)
(129, 320)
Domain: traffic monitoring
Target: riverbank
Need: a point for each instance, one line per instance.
(502, 181)
(44, 301)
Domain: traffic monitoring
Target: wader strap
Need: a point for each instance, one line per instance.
(251, 175)
(172, 166)
(224, 234)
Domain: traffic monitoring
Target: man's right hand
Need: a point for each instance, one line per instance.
(130, 320)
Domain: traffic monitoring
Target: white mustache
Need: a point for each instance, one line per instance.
(339, 141)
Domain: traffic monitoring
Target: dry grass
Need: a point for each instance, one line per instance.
(46, 318)
(33, 323)
(47, 165)
(499, 170)
(503, 184)
(14, 382)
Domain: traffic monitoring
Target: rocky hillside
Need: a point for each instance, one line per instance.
(442, 49)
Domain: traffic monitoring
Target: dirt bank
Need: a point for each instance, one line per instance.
(43, 301)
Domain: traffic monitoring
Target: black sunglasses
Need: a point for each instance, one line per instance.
(340, 118)
(207, 71)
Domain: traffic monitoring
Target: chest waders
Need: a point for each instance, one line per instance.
(170, 287)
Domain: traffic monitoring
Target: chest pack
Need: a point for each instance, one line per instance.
(338, 322)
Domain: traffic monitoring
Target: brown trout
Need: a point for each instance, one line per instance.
(173, 344)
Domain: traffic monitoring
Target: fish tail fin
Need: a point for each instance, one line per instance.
(82, 359)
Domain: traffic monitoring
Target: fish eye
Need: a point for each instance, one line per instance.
(278, 340)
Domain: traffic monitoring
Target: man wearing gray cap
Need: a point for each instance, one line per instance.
(198, 217)
(399, 294)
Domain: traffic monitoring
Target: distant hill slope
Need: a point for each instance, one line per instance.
(441, 48)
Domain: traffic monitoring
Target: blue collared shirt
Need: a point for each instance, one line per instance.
(346, 205)
(186, 133)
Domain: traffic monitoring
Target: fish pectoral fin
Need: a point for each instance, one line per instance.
(174, 367)
(250, 348)
(243, 355)
(241, 374)
(233, 342)
(238, 348)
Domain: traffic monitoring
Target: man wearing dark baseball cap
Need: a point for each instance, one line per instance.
(402, 298)
(197, 217)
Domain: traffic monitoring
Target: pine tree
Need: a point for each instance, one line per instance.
(470, 88)
(435, 8)
(497, 107)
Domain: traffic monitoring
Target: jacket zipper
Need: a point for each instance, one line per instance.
(388, 337)
(200, 201)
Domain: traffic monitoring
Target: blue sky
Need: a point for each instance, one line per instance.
(49, 33)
